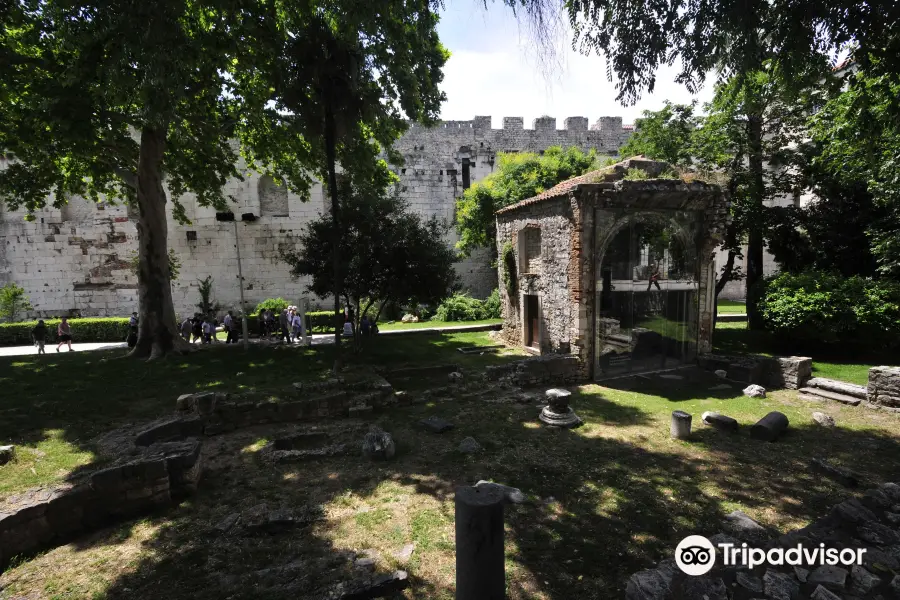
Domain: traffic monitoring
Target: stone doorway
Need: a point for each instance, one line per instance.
(532, 324)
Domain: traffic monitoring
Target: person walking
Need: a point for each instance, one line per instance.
(231, 334)
(209, 330)
(654, 277)
(197, 328)
(64, 334)
(186, 327)
(296, 326)
(39, 335)
(283, 323)
(132, 330)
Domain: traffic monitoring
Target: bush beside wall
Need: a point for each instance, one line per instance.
(818, 307)
(109, 329)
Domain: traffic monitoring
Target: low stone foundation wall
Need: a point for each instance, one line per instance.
(215, 413)
(39, 518)
(776, 372)
(869, 523)
(553, 369)
(883, 388)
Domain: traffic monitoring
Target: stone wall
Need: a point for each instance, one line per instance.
(883, 388)
(554, 284)
(39, 518)
(74, 261)
(216, 413)
(869, 523)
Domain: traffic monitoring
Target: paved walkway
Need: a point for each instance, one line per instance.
(318, 339)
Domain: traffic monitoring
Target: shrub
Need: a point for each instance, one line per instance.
(492, 305)
(110, 329)
(508, 274)
(635, 174)
(817, 307)
(13, 301)
(276, 305)
(460, 307)
(320, 321)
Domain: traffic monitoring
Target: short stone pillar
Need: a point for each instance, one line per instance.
(480, 559)
(558, 413)
(681, 425)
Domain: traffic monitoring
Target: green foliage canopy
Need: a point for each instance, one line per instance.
(13, 301)
(518, 176)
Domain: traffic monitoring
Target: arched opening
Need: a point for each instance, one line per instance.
(647, 287)
(273, 197)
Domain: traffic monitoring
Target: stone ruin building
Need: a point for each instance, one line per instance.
(618, 272)
(75, 260)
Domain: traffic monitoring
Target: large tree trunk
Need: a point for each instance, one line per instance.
(157, 333)
(330, 157)
(756, 191)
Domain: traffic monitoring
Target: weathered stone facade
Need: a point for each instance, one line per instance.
(74, 260)
(883, 388)
(552, 306)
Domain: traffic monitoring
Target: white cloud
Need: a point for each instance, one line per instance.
(494, 70)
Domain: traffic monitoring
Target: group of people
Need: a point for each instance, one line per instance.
(287, 327)
(63, 334)
(204, 328)
(367, 326)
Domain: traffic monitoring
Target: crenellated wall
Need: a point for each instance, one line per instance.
(75, 260)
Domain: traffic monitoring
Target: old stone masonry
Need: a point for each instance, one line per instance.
(75, 260)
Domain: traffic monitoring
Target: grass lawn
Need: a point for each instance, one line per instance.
(605, 500)
(425, 324)
(736, 338)
(731, 306)
(53, 405)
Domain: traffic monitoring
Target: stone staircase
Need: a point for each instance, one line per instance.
(820, 388)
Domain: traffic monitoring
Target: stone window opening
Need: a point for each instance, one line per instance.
(530, 250)
(273, 197)
(192, 236)
(403, 171)
(466, 180)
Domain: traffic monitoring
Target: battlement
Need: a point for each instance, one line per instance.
(544, 123)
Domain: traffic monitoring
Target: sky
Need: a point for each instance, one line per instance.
(494, 70)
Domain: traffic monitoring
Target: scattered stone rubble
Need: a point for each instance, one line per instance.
(339, 397)
(777, 372)
(552, 369)
(864, 523)
(157, 475)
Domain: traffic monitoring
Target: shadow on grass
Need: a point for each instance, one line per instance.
(604, 501)
(76, 397)
(677, 386)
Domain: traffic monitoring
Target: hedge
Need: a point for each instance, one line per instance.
(462, 307)
(816, 308)
(111, 329)
(321, 321)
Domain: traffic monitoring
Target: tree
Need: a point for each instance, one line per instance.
(206, 305)
(518, 176)
(732, 38)
(344, 76)
(665, 134)
(391, 255)
(859, 134)
(13, 301)
(123, 98)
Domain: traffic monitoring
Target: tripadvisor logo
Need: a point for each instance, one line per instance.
(695, 555)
